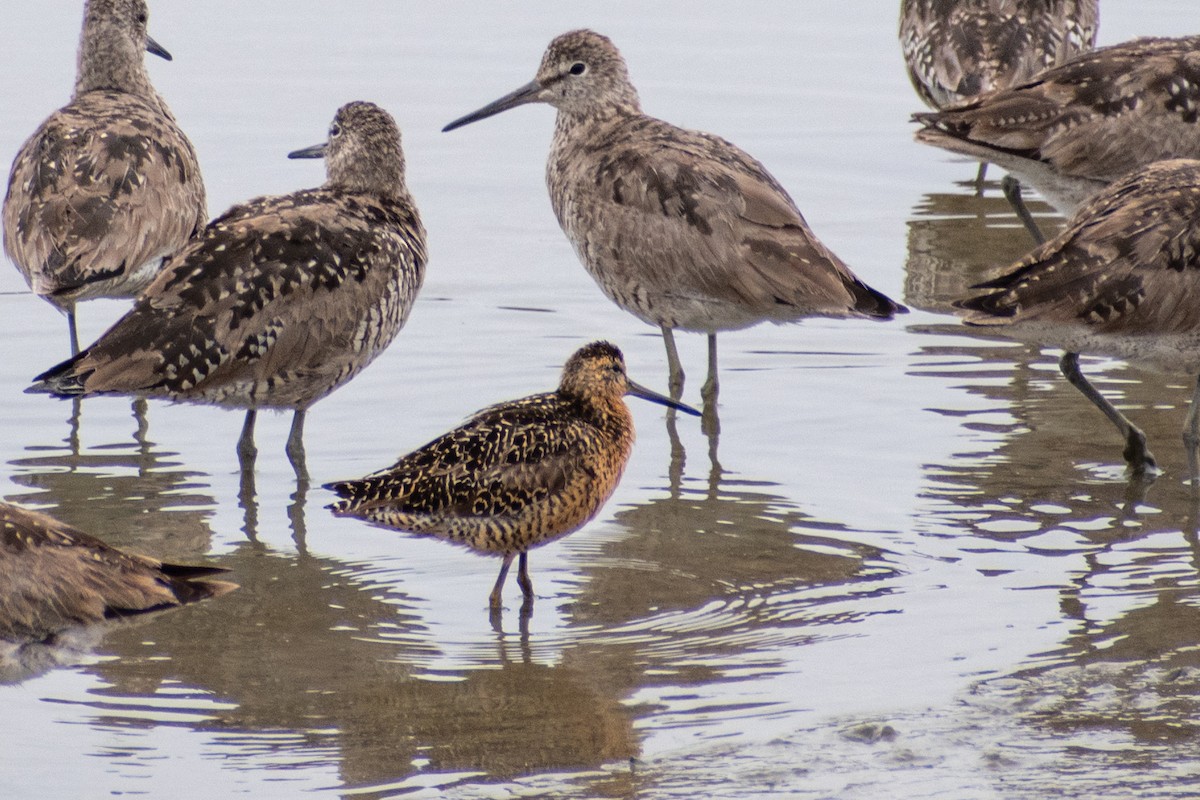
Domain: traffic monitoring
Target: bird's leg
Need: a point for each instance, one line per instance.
(248, 500)
(494, 598)
(73, 331)
(1139, 458)
(1012, 190)
(245, 447)
(523, 578)
(1191, 437)
(140, 408)
(709, 423)
(980, 177)
(295, 445)
(674, 367)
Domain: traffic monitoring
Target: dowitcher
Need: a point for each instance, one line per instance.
(680, 228)
(54, 577)
(1120, 281)
(518, 474)
(279, 301)
(957, 49)
(108, 185)
(1079, 126)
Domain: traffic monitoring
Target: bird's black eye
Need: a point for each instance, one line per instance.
(142, 19)
(578, 68)
(335, 131)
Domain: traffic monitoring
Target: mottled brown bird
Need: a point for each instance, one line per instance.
(1079, 126)
(108, 185)
(957, 49)
(279, 301)
(54, 577)
(680, 228)
(1121, 281)
(518, 474)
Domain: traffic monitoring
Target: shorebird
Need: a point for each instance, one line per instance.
(280, 300)
(680, 228)
(108, 185)
(958, 49)
(518, 474)
(54, 577)
(1080, 126)
(1120, 281)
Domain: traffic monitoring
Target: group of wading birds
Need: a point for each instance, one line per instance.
(280, 300)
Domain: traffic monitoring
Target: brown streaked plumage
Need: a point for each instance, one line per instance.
(54, 577)
(108, 185)
(680, 228)
(957, 49)
(518, 474)
(1122, 280)
(1079, 126)
(279, 301)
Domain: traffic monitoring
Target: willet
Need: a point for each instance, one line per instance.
(958, 49)
(1080, 126)
(279, 301)
(680, 228)
(518, 474)
(54, 577)
(108, 185)
(1120, 281)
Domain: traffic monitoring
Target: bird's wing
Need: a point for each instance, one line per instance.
(1096, 116)
(59, 576)
(1128, 262)
(102, 188)
(706, 219)
(496, 464)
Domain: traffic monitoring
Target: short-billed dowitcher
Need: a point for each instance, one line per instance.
(958, 49)
(108, 185)
(1121, 281)
(54, 577)
(680, 228)
(279, 301)
(1079, 126)
(518, 474)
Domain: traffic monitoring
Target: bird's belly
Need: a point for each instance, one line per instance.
(647, 286)
(1175, 353)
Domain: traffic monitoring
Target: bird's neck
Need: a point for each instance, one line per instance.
(585, 123)
(112, 63)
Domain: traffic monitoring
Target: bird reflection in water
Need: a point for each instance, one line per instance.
(330, 663)
(131, 493)
(955, 240)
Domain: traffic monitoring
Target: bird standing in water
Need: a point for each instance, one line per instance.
(518, 474)
(680, 228)
(280, 300)
(108, 186)
(1122, 281)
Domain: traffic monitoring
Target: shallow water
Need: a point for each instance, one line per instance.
(912, 566)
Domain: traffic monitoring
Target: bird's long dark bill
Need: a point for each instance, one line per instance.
(637, 390)
(157, 49)
(316, 151)
(529, 93)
